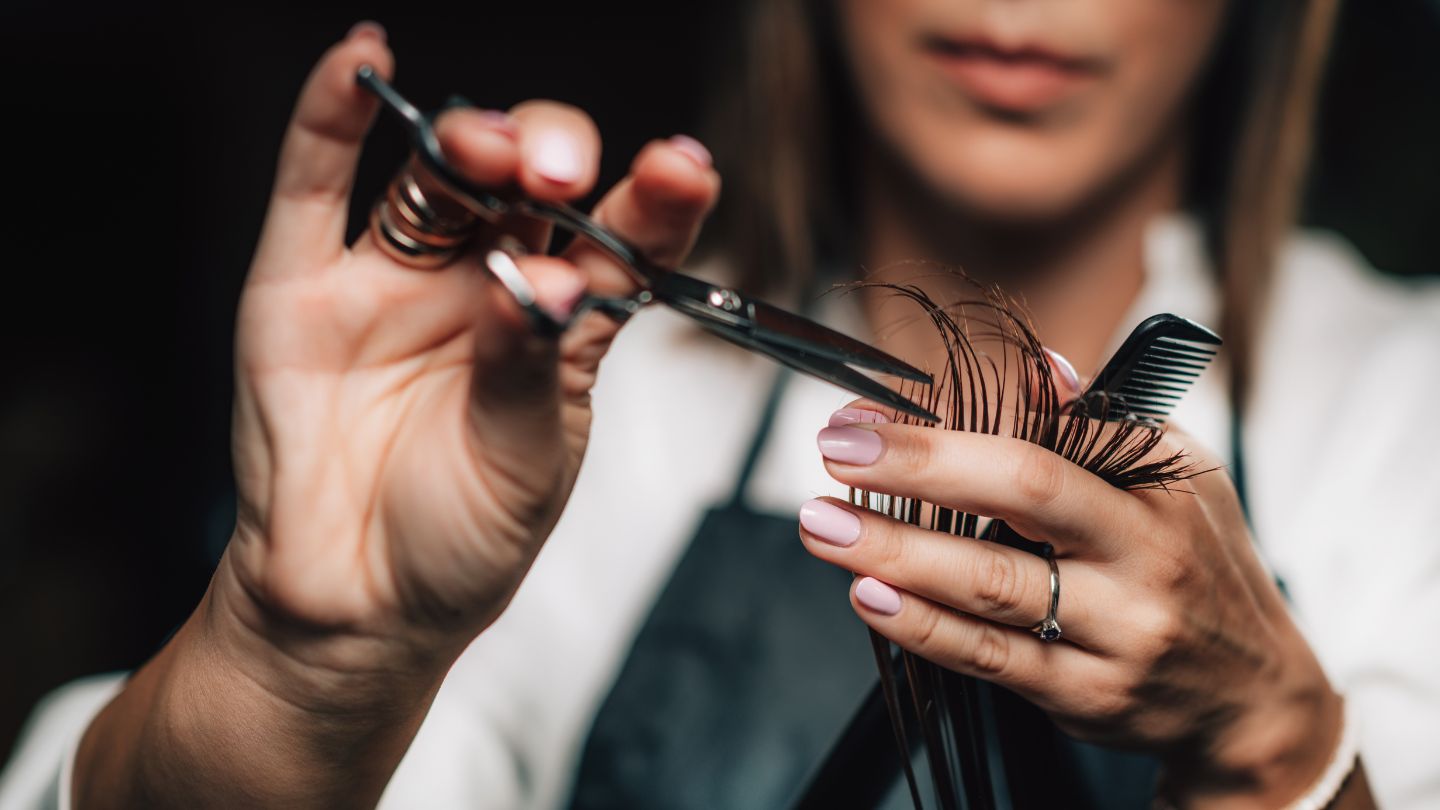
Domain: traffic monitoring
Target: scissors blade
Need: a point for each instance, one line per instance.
(729, 310)
(824, 368)
(776, 325)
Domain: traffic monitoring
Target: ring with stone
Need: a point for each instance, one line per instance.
(1048, 628)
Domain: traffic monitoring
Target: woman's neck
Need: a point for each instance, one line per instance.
(1076, 278)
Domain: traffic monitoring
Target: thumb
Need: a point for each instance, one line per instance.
(305, 225)
(515, 400)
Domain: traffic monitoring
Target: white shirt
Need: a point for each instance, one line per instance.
(1343, 481)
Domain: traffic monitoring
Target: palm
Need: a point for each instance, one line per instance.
(354, 437)
(403, 441)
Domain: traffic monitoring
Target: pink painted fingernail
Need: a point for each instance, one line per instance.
(556, 157)
(829, 522)
(876, 595)
(850, 445)
(367, 28)
(499, 121)
(857, 416)
(693, 149)
(1065, 372)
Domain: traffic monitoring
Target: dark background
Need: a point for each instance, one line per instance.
(138, 148)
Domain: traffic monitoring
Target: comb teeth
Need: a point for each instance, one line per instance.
(1161, 376)
(1155, 366)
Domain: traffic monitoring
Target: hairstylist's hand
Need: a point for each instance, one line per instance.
(403, 441)
(1175, 638)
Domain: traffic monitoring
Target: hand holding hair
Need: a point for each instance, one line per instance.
(1172, 637)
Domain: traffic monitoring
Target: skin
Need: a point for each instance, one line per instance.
(1051, 200)
(1176, 639)
(403, 446)
(1041, 163)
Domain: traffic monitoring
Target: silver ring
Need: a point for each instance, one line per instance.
(1048, 628)
(410, 228)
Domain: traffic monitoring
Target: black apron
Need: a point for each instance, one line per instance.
(750, 667)
(741, 678)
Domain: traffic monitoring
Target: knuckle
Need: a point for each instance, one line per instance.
(885, 546)
(1040, 476)
(925, 634)
(536, 118)
(1112, 700)
(1170, 571)
(991, 655)
(997, 584)
(915, 456)
(552, 111)
(1159, 630)
(1170, 443)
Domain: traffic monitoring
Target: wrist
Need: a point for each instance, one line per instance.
(1268, 755)
(220, 712)
(342, 670)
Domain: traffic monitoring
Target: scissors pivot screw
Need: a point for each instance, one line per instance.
(727, 300)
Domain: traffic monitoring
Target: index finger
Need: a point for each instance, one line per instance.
(1042, 495)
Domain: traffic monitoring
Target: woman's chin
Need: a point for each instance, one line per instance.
(1014, 204)
(1020, 185)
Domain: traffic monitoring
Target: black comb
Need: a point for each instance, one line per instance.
(1152, 369)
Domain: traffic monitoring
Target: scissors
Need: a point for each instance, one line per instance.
(787, 338)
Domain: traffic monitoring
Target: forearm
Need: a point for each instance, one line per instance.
(204, 724)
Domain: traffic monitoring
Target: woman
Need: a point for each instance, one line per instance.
(404, 444)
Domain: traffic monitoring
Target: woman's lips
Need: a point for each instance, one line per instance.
(1016, 80)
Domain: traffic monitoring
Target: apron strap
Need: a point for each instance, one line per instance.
(761, 436)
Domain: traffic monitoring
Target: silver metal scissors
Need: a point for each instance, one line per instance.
(790, 339)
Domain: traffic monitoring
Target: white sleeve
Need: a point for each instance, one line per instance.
(38, 774)
(1344, 484)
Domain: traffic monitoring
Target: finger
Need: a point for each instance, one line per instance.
(483, 147)
(862, 412)
(988, 580)
(305, 225)
(1040, 494)
(515, 398)
(550, 150)
(658, 208)
(559, 150)
(1004, 655)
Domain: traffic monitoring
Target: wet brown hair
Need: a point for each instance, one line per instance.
(783, 122)
(996, 380)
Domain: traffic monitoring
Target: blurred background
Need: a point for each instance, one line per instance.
(139, 147)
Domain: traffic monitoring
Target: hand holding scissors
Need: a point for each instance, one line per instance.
(404, 438)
